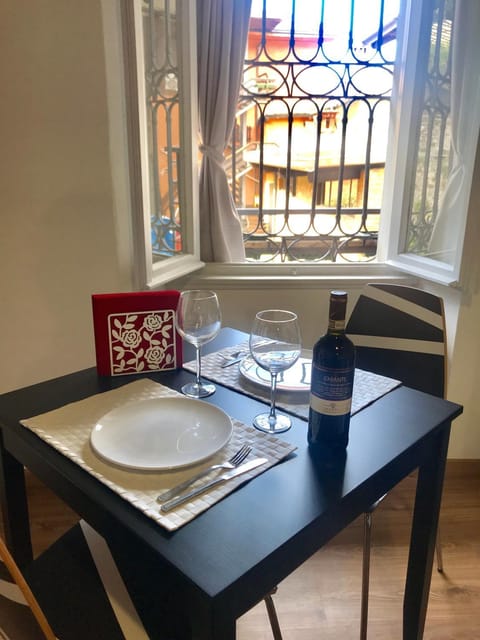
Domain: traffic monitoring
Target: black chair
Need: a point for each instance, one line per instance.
(72, 590)
(399, 332)
(80, 588)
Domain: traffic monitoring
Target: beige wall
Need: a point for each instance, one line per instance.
(59, 240)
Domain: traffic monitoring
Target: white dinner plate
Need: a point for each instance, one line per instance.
(297, 378)
(161, 433)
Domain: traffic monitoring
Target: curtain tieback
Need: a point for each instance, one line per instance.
(213, 153)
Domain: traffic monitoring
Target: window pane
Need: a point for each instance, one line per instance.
(434, 135)
(162, 105)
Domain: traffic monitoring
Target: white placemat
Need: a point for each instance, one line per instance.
(68, 430)
(367, 386)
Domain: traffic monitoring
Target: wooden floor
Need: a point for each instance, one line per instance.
(321, 600)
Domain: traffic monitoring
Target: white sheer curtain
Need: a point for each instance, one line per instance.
(222, 28)
(465, 125)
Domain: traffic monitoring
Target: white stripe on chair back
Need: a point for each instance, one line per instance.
(397, 344)
(117, 593)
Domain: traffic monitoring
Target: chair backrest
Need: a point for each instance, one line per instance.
(399, 332)
(20, 612)
(78, 587)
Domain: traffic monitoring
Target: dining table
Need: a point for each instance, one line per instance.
(222, 560)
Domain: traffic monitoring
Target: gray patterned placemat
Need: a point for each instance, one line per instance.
(367, 386)
(68, 430)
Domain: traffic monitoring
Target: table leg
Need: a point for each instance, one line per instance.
(220, 626)
(14, 504)
(424, 531)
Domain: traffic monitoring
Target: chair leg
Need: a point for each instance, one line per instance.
(272, 616)
(438, 550)
(367, 535)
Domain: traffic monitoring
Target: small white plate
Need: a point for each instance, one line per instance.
(161, 433)
(297, 378)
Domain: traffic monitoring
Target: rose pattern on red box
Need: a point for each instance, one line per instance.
(142, 341)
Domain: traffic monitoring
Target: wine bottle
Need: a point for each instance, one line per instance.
(333, 368)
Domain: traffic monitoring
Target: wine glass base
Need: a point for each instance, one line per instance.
(264, 422)
(194, 390)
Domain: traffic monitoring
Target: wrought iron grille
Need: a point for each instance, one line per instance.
(308, 150)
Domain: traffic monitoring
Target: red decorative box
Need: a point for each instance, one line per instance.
(135, 332)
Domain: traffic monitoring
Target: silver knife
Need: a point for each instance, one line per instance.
(230, 362)
(243, 468)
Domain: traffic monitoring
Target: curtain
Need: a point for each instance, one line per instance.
(465, 125)
(222, 28)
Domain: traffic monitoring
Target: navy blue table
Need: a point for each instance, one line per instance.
(223, 562)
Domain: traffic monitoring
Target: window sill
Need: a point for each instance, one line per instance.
(253, 276)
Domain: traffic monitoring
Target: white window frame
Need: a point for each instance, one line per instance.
(391, 263)
(398, 184)
(149, 274)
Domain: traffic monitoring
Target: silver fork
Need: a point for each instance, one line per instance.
(235, 355)
(231, 463)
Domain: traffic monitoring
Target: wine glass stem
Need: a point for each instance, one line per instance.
(273, 391)
(199, 370)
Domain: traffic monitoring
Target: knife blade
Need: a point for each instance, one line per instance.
(230, 362)
(243, 468)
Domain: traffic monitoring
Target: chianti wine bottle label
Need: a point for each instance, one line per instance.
(331, 390)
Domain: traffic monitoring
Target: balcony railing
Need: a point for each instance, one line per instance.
(335, 244)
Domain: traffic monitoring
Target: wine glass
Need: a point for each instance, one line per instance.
(275, 346)
(198, 321)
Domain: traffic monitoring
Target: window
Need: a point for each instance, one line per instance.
(158, 45)
(351, 154)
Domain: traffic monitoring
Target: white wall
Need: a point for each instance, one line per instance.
(60, 239)
(464, 374)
